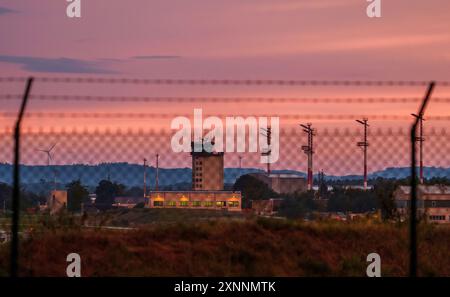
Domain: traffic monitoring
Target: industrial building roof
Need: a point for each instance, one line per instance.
(278, 175)
(427, 189)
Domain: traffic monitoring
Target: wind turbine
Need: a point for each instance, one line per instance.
(49, 155)
(48, 152)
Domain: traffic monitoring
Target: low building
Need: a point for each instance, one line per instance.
(283, 183)
(316, 188)
(267, 207)
(128, 202)
(337, 216)
(4, 237)
(358, 187)
(433, 202)
(57, 201)
(90, 208)
(217, 200)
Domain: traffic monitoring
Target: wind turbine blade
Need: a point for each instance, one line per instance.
(50, 149)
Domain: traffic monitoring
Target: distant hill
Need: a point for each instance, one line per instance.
(36, 178)
(90, 175)
(402, 172)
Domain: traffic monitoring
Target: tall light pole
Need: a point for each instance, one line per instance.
(420, 139)
(364, 144)
(108, 177)
(309, 151)
(157, 172)
(268, 135)
(145, 177)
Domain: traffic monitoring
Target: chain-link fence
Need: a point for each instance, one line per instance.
(89, 130)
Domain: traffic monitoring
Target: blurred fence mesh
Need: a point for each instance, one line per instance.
(96, 129)
(92, 144)
(336, 153)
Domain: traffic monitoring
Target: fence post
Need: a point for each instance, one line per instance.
(413, 200)
(16, 185)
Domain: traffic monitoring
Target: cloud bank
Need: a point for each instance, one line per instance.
(57, 65)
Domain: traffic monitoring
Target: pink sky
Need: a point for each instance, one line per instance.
(323, 39)
(226, 39)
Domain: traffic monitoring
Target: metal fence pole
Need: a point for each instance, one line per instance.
(413, 202)
(16, 185)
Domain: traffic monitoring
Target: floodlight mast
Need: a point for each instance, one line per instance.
(309, 151)
(268, 135)
(364, 144)
(157, 173)
(145, 177)
(420, 139)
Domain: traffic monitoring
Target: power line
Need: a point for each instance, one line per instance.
(62, 115)
(284, 131)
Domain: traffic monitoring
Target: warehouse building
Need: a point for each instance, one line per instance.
(267, 207)
(433, 202)
(283, 183)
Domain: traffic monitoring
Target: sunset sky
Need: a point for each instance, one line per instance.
(323, 39)
(232, 39)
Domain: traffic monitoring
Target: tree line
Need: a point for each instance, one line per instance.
(77, 193)
(340, 199)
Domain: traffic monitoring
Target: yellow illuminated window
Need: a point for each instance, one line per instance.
(208, 203)
(158, 203)
(233, 203)
(221, 203)
(172, 203)
(196, 203)
(183, 203)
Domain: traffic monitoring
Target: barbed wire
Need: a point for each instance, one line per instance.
(284, 131)
(253, 82)
(95, 115)
(340, 100)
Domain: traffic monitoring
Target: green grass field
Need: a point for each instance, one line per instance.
(145, 216)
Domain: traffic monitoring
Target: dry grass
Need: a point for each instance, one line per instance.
(261, 247)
